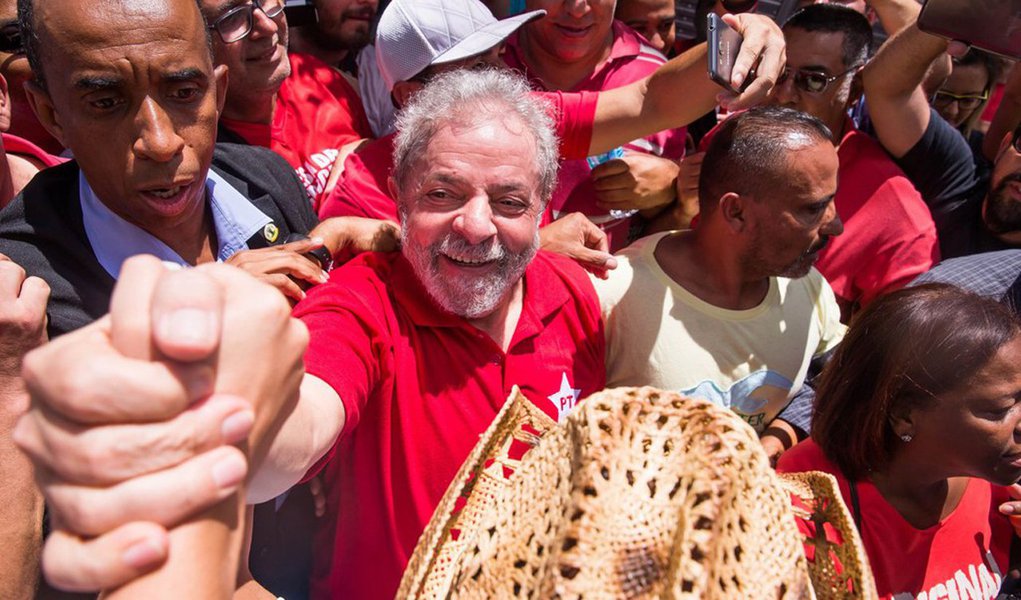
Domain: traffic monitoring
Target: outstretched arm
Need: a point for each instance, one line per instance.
(897, 103)
(680, 91)
(22, 327)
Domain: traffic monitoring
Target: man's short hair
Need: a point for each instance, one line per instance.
(468, 97)
(33, 48)
(30, 39)
(834, 18)
(748, 155)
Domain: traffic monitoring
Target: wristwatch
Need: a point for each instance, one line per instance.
(320, 255)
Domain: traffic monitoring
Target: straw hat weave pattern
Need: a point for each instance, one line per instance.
(639, 494)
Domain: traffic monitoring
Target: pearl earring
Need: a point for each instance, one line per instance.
(905, 438)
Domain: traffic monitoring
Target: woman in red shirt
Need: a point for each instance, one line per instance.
(919, 418)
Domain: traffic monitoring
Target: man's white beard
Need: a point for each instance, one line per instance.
(468, 297)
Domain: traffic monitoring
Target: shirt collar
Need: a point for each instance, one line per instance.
(114, 239)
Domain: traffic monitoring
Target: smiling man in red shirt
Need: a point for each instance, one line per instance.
(412, 354)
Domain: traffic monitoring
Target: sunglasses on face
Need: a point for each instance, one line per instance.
(235, 24)
(943, 99)
(813, 82)
(10, 39)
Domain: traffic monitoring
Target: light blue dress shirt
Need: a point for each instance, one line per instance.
(114, 239)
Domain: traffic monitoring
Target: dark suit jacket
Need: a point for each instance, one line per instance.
(42, 230)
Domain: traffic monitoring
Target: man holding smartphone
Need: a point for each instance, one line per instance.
(973, 214)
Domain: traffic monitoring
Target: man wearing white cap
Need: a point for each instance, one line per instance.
(417, 40)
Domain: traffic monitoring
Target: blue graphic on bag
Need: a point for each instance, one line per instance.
(595, 161)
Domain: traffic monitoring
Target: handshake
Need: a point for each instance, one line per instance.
(145, 426)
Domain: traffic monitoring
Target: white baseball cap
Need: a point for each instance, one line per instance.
(414, 34)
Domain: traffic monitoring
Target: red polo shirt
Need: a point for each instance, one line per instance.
(317, 112)
(889, 236)
(419, 386)
(22, 147)
(631, 59)
(362, 189)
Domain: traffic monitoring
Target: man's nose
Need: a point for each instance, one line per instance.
(834, 225)
(157, 138)
(576, 8)
(475, 220)
(262, 24)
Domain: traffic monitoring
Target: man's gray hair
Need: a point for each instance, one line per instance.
(468, 97)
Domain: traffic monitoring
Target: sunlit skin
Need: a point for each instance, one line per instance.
(964, 80)
(137, 103)
(257, 64)
(15, 69)
(821, 52)
(790, 230)
(653, 19)
(570, 41)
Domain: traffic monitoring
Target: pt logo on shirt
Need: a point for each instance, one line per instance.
(564, 399)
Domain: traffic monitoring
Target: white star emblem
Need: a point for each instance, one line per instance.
(564, 399)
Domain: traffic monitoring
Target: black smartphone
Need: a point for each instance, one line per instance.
(300, 12)
(990, 25)
(724, 45)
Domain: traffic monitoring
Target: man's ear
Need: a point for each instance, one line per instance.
(42, 105)
(857, 89)
(1004, 144)
(391, 186)
(222, 81)
(733, 207)
(403, 91)
(5, 105)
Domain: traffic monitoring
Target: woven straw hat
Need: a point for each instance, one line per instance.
(639, 494)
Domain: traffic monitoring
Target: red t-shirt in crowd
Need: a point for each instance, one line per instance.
(963, 556)
(362, 189)
(889, 236)
(317, 112)
(419, 386)
(22, 147)
(630, 59)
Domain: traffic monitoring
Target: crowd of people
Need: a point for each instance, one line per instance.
(263, 287)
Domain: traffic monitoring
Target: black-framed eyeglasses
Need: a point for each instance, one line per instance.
(1015, 140)
(10, 39)
(812, 82)
(943, 99)
(236, 23)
